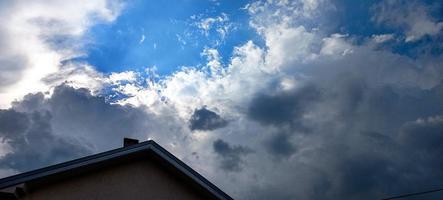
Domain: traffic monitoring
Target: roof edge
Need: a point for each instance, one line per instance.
(115, 153)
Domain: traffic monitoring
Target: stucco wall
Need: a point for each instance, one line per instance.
(141, 179)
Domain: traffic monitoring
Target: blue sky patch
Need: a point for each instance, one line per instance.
(166, 35)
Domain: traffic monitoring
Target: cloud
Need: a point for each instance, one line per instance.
(280, 145)
(220, 23)
(204, 119)
(142, 39)
(85, 117)
(37, 36)
(231, 155)
(285, 107)
(215, 29)
(118, 78)
(31, 143)
(39, 130)
(382, 38)
(424, 134)
(214, 61)
(411, 16)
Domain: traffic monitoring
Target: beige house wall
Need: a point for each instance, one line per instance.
(143, 179)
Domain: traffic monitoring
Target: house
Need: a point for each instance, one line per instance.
(136, 171)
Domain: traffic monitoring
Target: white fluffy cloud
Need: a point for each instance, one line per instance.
(35, 36)
(212, 27)
(382, 38)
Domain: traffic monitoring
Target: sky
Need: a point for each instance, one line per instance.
(277, 99)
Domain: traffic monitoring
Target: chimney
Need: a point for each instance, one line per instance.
(129, 142)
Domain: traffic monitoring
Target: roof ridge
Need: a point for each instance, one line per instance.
(115, 153)
(74, 161)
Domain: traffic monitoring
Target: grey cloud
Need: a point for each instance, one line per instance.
(425, 135)
(30, 102)
(204, 119)
(280, 145)
(231, 156)
(365, 141)
(282, 107)
(392, 165)
(12, 123)
(11, 67)
(368, 122)
(77, 112)
(411, 16)
(69, 124)
(11, 63)
(283, 110)
(365, 177)
(32, 143)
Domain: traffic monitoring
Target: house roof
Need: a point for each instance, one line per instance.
(101, 158)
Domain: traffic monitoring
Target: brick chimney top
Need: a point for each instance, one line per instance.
(129, 142)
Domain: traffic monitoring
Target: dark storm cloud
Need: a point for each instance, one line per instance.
(282, 107)
(69, 124)
(283, 110)
(425, 134)
(388, 166)
(381, 140)
(381, 108)
(231, 156)
(30, 102)
(77, 112)
(32, 143)
(359, 175)
(422, 142)
(280, 145)
(12, 123)
(204, 119)
(368, 141)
